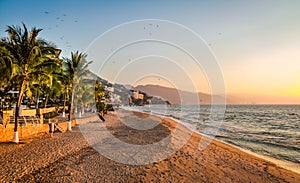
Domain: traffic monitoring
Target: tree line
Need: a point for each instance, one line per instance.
(34, 69)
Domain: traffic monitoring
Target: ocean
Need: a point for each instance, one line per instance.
(272, 130)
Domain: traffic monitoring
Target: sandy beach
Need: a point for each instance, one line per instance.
(67, 157)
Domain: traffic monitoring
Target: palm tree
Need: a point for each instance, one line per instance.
(6, 73)
(75, 69)
(52, 92)
(32, 58)
(6, 69)
(65, 81)
(100, 96)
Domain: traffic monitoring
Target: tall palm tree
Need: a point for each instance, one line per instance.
(76, 69)
(52, 92)
(32, 58)
(100, 95)
(66, 83)
(85, 94)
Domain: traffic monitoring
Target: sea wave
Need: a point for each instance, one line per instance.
(272, 130)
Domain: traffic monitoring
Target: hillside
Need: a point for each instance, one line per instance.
(173, 95)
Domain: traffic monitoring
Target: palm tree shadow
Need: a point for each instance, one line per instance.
(11, 143)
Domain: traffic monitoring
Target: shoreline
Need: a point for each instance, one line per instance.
(286, 165)
(281, 163)
(289, 165)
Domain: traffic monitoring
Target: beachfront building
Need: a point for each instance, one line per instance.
(139, 98)
(114, 99)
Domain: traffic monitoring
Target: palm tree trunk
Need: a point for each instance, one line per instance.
(37, 100)
(64, 105)
(65, 100)
(46, 101)
(19, 102)
(71, 106)
(71, 103)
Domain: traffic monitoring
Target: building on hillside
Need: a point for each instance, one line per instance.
(138, 98)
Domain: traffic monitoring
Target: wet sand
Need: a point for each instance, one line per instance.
(67, 157)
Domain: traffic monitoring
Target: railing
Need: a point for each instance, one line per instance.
(48, 121)
(24, 120)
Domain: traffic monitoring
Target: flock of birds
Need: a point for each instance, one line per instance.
(63, 18)
(59, 20)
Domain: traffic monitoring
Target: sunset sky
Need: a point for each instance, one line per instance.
(256, 43)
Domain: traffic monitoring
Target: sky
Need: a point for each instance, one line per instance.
(256, 43)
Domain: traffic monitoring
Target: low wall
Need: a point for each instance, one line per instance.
(32, 112)
(64, 125)
(87, 119)
(46, 110)
(6, 134)
(79, 121)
